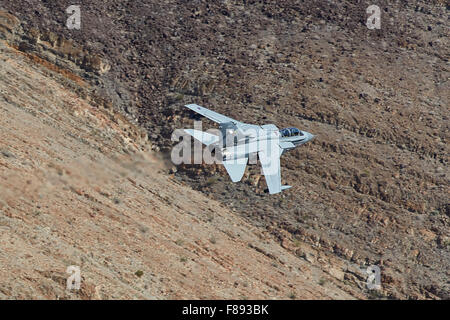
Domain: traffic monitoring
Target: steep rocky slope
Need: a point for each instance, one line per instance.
(373, 188)
(78, 186)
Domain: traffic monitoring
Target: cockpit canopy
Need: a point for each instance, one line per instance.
(290, 132)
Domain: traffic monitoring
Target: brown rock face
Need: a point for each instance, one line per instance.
(8, 25)
(78, 187)
(373, 185)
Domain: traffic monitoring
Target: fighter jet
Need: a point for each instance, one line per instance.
(237, 141)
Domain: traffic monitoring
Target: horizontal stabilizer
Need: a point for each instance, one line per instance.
(235, 168)
(285, 187)
(204, 137)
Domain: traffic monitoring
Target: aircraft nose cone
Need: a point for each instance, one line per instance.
(309, 136)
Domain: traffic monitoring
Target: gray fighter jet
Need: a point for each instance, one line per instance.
(238, 140)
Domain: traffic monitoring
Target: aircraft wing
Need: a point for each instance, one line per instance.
(271, 167)
(270, 162)
(214, 116)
